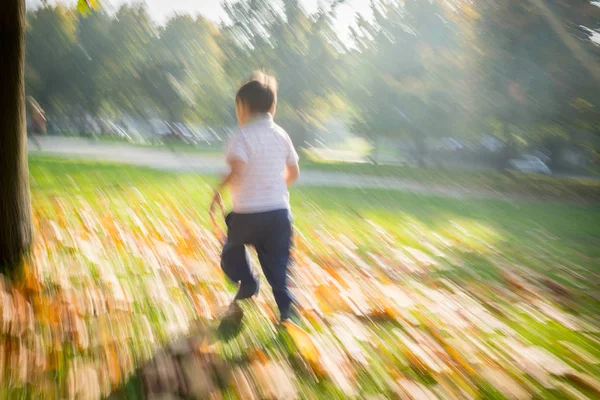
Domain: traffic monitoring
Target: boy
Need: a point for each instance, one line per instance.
(263, 163)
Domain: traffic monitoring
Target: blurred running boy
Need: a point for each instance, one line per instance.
(263, 163)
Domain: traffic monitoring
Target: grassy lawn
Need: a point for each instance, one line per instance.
(566, 188)
(401, 293)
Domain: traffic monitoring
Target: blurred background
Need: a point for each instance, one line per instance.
(456, 84)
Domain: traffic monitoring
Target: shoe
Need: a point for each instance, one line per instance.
(293, 316)
(247, 290)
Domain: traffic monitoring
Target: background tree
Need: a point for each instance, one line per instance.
(201, 90)
(417, 71)
(91, 73)
(530, 73)
(133, 36)
(302, 51)
(411, 74)
(51, 41)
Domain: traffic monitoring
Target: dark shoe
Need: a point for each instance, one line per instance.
(292, 315)
(247, 289)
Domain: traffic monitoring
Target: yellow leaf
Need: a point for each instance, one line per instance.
(305, 345)
(86, 6)
(114, 370)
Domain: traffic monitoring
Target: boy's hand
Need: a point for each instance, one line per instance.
(216, 200)
(217, 230)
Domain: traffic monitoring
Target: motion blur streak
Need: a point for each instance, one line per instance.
(448, 235)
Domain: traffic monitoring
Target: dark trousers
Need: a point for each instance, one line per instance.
(271, 235)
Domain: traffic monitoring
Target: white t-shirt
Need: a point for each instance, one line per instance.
(266, 149)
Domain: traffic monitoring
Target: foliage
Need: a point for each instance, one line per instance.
(416, 69)
(416, 92)
(51, 40)
(301, 50)
(100, 64)
(85, 7)
(532, 73)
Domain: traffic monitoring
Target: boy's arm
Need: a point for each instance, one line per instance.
(292, 172)
(236, 158)
(234, 173)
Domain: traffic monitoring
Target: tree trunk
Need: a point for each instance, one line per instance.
(15, 208)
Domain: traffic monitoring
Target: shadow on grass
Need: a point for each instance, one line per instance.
(231, 324)
(185, 368)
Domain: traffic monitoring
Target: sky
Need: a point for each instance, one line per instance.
(161, 10)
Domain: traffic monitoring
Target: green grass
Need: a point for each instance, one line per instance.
(568, 224)
(534, 186)
(570, 232)
(524, 232)
(479, 239)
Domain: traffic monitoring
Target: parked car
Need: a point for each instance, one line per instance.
(530, 164)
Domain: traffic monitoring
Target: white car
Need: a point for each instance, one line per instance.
(528, 163)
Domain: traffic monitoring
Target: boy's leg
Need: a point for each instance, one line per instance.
(235, 261)
(274, 255)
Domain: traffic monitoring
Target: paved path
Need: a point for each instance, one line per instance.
(211, 164)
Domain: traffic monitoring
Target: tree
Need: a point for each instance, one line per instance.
(301, 50)
(91, 73)
(411, 74)
(16, 228)
(132, 35)
(420, 70)
(193, 77)
(532, 70)
(51, 39)
(15, 209)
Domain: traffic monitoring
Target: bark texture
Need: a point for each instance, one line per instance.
(15, 206)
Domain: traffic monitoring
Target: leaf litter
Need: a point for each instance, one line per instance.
(117, 290)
